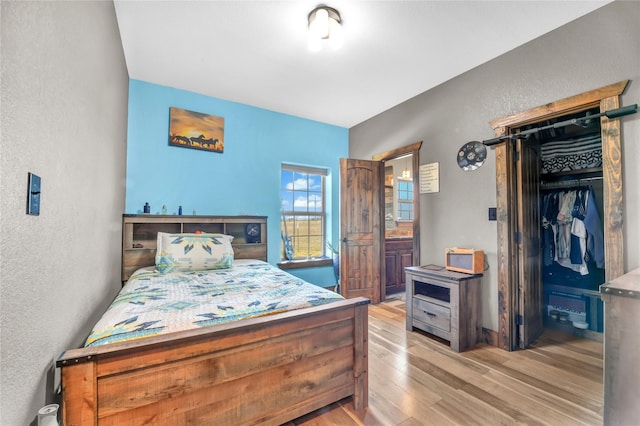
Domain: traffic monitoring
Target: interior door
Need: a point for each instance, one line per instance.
(530, 291)
(361, 229)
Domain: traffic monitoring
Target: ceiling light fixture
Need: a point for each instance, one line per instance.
(325, 28)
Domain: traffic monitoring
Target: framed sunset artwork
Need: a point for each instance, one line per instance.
(189, 129)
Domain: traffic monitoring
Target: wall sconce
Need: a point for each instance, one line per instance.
(325, 27)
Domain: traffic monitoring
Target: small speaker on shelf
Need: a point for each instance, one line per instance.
(253, 232)
(468, 261)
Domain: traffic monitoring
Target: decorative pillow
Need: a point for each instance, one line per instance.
(193, 252)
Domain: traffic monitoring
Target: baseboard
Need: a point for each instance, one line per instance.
(489, 337)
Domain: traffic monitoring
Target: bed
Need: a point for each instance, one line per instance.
(269, 368)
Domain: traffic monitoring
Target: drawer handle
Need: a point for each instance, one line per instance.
(430, 314)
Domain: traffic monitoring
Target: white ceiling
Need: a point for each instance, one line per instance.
(255, 52)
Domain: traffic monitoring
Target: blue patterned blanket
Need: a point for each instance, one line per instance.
(152, 303)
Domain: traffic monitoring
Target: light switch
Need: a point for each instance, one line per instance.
(33, 195)
(492, 213)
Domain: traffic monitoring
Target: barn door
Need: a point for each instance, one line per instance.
(530, 290)
(361, 229)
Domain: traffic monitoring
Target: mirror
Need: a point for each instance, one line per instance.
(398, 196)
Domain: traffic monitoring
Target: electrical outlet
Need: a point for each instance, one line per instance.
(33, 195)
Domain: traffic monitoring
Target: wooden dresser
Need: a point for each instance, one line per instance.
(621, 298)
(446, 304)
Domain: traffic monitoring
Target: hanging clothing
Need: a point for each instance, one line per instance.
(550, 208)
(563, 242)
(578, 231)
(594, 231)
(572, 233)
(579, 244)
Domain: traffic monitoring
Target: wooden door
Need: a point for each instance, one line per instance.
(530, 291)
(392, 269)
(361, 229)
(398, 256)
(405, 259)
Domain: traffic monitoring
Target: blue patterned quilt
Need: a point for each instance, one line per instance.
(152, 303)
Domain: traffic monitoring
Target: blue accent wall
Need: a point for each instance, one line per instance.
(245, 179)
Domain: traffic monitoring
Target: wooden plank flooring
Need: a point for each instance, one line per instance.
(416, 379)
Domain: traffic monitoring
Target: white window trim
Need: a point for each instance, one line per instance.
(322, 213)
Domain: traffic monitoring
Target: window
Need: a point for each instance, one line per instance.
(405, 201)
(303, 211)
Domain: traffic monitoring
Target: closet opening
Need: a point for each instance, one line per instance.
(570, 203)
(527, 291)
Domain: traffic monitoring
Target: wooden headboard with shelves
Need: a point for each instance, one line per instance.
(140, 231)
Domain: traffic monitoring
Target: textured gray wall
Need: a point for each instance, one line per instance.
(64, 118)
(596, 50)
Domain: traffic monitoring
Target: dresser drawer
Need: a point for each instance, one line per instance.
(432, 314)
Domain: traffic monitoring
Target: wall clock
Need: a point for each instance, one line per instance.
(252, 232)
(472, 155)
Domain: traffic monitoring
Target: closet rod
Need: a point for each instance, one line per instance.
(613, 113)
(568, 183)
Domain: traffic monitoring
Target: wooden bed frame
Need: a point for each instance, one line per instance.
(265, 370)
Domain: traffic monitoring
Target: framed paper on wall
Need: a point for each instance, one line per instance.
(429, 178)
(189, 129)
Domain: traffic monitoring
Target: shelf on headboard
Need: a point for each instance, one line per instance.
(139, 236)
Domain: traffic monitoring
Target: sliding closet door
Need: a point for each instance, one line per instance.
(530, 291)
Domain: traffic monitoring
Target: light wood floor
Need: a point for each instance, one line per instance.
(415, 379)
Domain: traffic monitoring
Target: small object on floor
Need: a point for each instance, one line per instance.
(581, 325)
